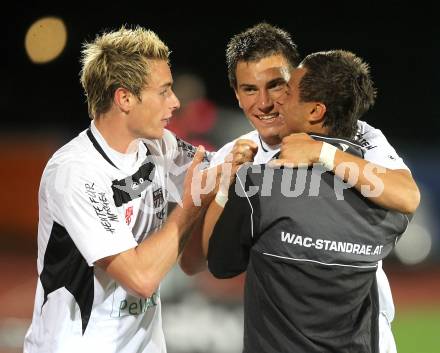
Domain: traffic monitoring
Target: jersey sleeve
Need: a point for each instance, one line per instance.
(379, 151)
(179, 155)
(230, 243)
(81, 200)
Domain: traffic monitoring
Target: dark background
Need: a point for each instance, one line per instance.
(400, 41)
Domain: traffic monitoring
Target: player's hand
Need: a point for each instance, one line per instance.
(243, 151)
(297, 149)
(198, 187)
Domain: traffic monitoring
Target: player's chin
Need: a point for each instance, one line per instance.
(153, 134)
(283, 132)
(271, 134)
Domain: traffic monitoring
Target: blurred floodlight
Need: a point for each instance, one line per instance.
(415, 245)
(45, 39)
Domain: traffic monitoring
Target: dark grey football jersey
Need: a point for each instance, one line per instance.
(310, 245)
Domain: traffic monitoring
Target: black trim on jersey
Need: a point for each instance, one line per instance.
(350, 146)
(261, 144)
(64, 266)
(342, 144)
(101, 151)
(189, 149)
(374, 294)
(353, 147)
(131, 187)
(99, 148)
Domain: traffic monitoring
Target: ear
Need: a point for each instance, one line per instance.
(123, 99)
(317, 112)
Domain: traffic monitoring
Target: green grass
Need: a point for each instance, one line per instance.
(417, 331)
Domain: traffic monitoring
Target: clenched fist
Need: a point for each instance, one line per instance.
(298, 149)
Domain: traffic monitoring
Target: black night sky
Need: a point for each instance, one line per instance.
(401, 43)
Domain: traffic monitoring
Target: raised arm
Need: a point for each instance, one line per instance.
(393, 189)
(141, 269)
(193, 259)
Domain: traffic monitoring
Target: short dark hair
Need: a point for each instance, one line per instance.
(256, 43)
(341, 80)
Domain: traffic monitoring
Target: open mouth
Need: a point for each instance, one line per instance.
(267, 117)
(166, 121)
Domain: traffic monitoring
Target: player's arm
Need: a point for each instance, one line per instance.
(179, 155)
(141, 269)
(390, 188)
(393, 189)
(193, 259)
(231, 230)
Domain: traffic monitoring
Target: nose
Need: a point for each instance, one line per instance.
(175, 102)
(264, 101)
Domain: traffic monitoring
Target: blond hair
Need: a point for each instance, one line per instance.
(118, 59)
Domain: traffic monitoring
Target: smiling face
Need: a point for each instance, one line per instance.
(150, 115)
(259, 85)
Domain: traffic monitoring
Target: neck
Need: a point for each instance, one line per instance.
(317, 127)
(115, 133)
(308, 129)
(319, 130)
(271, 141)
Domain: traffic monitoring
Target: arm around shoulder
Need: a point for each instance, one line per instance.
(390, 188)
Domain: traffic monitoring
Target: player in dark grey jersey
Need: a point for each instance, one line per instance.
(309, 242)
(260, 59)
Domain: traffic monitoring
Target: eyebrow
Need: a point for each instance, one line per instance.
(247, 85)
(275, 81)
(166, 84)
(269, 84)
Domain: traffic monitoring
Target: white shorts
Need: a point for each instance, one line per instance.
(386, 338)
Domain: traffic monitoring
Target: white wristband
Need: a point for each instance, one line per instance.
(327, 156)
(221, 198)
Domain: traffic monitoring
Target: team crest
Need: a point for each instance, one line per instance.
(128, 214)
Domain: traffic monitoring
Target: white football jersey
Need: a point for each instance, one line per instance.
(95, 202)
(376, 150)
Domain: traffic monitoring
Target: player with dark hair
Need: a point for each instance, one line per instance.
(310, 244)
(260, 62)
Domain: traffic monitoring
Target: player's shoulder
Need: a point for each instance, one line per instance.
(76, 149)
(367, 131)
(377, 148)
(78, 155)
